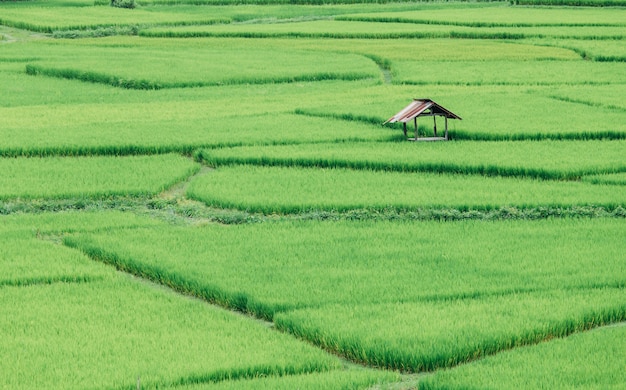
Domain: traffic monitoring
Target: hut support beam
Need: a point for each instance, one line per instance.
(435, 125)
(446, 134)
(404, 129)
(416, 132)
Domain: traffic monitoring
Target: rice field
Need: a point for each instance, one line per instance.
(200, 194)
(153, 66)
(62, 177)
(555, 160)
(270, 267)
(485, 122)
(589, 360)
(289, 190)
(56, 345)
(428, 336)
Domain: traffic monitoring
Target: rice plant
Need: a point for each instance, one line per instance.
(57, 177)
(554, 160)
(152, 66)
(426, 336)
(590, 360)
(272, 267)
(290, 190)
(107, 334)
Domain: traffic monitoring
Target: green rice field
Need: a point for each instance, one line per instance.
(292, 190)
(204, 194)
(548, 160)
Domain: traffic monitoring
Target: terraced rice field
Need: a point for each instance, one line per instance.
(200, 194)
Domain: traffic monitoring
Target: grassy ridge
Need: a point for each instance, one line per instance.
(328, 29)
(596, 50)
(91, 176)
(272, 267)
(289, 190)
(428, 336)
(547, 160)
(502, 15)
(591, 360)
(26, 261)
(616, 178)
(117, 81)
(27, 225)
(348, 379)
(365, 28)
(574, 3)
(509, 72)
(604, 96)
(60, 341)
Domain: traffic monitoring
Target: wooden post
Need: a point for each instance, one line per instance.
(435, 124)
(446, 128)
(416, 132)
(404, 123)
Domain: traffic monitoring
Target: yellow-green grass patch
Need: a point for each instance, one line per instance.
(118, 332)
(91, 177)
(355, 378)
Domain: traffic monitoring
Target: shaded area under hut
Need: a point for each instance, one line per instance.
(423, 107)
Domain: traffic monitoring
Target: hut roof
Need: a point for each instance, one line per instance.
(417, 107)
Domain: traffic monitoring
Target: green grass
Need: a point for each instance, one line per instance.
(29, 225)
(547, 160)
(503, 15)
(347, 379)
(604, 96)
(152, 65)
(108, 334)
(59, 177)
(596, 50)
(369, 27)
(591, 360)
(509, 72)
(427, 336)
(574, 3)
(294, 190)
(155, 128)
(26, 261)
(616, 178)
(384, 49)
(272, 267)
(43, 93)
(27, 258)
(49, 19)
(389, 290)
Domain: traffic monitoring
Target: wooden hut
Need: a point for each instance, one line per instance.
(423, 107)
